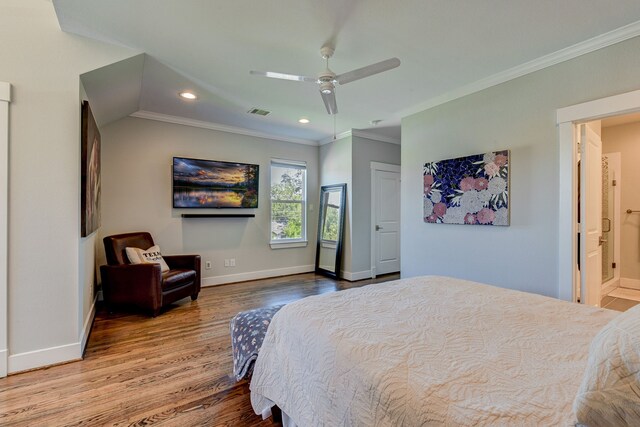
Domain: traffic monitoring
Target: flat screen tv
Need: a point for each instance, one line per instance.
(201, 183)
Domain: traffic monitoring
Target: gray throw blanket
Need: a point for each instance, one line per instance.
(248, 329)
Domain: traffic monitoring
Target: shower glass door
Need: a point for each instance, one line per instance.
(608, 195)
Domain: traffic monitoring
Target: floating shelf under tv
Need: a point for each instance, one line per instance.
(220, 215)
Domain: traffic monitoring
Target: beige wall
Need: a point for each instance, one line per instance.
(136, 195)
(625, 139)
(519, 115)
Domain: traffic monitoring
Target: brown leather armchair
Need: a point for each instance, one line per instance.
(144, 285)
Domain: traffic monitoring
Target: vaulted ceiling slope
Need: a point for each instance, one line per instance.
(447, 49)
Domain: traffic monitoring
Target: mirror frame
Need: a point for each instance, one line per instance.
(343, 201)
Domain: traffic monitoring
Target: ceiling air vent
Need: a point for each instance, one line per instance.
(258, 111)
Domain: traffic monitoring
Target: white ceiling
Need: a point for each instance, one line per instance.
(447, 48)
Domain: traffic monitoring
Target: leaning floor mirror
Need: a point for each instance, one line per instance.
(331, 229)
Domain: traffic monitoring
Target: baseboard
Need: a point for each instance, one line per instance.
(610, 288)
(86, 329)
(358, 275)
(44, 357)
(629, 283)
(255, 275)
(49, 356)
(3, 363)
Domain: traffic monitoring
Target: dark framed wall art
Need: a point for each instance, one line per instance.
(90, 182)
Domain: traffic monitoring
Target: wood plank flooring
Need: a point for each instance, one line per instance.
(172, 370)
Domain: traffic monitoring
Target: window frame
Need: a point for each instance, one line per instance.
(295, 242)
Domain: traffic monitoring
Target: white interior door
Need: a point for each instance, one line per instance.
(590, 216)
(385, 218)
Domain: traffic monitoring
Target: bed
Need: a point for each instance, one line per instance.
(442, 351)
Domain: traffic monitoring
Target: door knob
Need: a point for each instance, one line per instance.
(378, 228)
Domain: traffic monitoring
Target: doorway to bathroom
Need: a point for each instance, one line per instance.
(620, 287)
(608, 265)
(580, 235)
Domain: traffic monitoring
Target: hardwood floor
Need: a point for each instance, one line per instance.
(172, 370)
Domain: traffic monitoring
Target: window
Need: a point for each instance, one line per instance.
(288, 203)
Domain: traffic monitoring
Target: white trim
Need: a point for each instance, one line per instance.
(361, 134)
(567, 118)
(607, 39)
(150, 115)
(374, 137)
(86, 329)
(288, 244)
(331, 139)
(388, 167)
(629, 283)
(567, 227)
(5, 99)
(255, 275)
(44, 357)
(609, 287)
(355, 276)
(5, 92)
(4, 356)
(600, 108)
(329, 244)
(300, 164)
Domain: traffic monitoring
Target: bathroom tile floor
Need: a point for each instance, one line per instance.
(618, 304)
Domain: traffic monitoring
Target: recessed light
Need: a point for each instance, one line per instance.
(303, 120)
(188, 95)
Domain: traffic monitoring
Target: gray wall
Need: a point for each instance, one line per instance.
(47, 257)
(366, 151)
(519, 115)
(136, 189)
(349, 160)
(336, 168)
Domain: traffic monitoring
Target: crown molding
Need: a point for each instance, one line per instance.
(150, 115)
(604, 40)
(330, 139)
(375, 137)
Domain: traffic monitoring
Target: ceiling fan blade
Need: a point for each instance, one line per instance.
(330, 102)
(367, 71)
(284, 76)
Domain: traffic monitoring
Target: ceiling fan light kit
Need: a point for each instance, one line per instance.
(327, 79)
(326, 87)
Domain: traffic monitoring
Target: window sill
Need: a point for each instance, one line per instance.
(289, 244)
(329, 244)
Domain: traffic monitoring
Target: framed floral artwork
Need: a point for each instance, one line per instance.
(472, 190)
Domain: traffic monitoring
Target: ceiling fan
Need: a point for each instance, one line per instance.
(327, 79)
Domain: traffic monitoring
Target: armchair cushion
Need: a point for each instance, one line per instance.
(151, 255)
(175, 278)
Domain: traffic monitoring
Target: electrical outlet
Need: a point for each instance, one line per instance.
(207, 265)
(232, 262)
(226, 263)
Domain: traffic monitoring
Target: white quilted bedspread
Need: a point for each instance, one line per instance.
(426, 351)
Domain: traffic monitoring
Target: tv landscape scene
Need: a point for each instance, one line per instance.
(213, 184)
